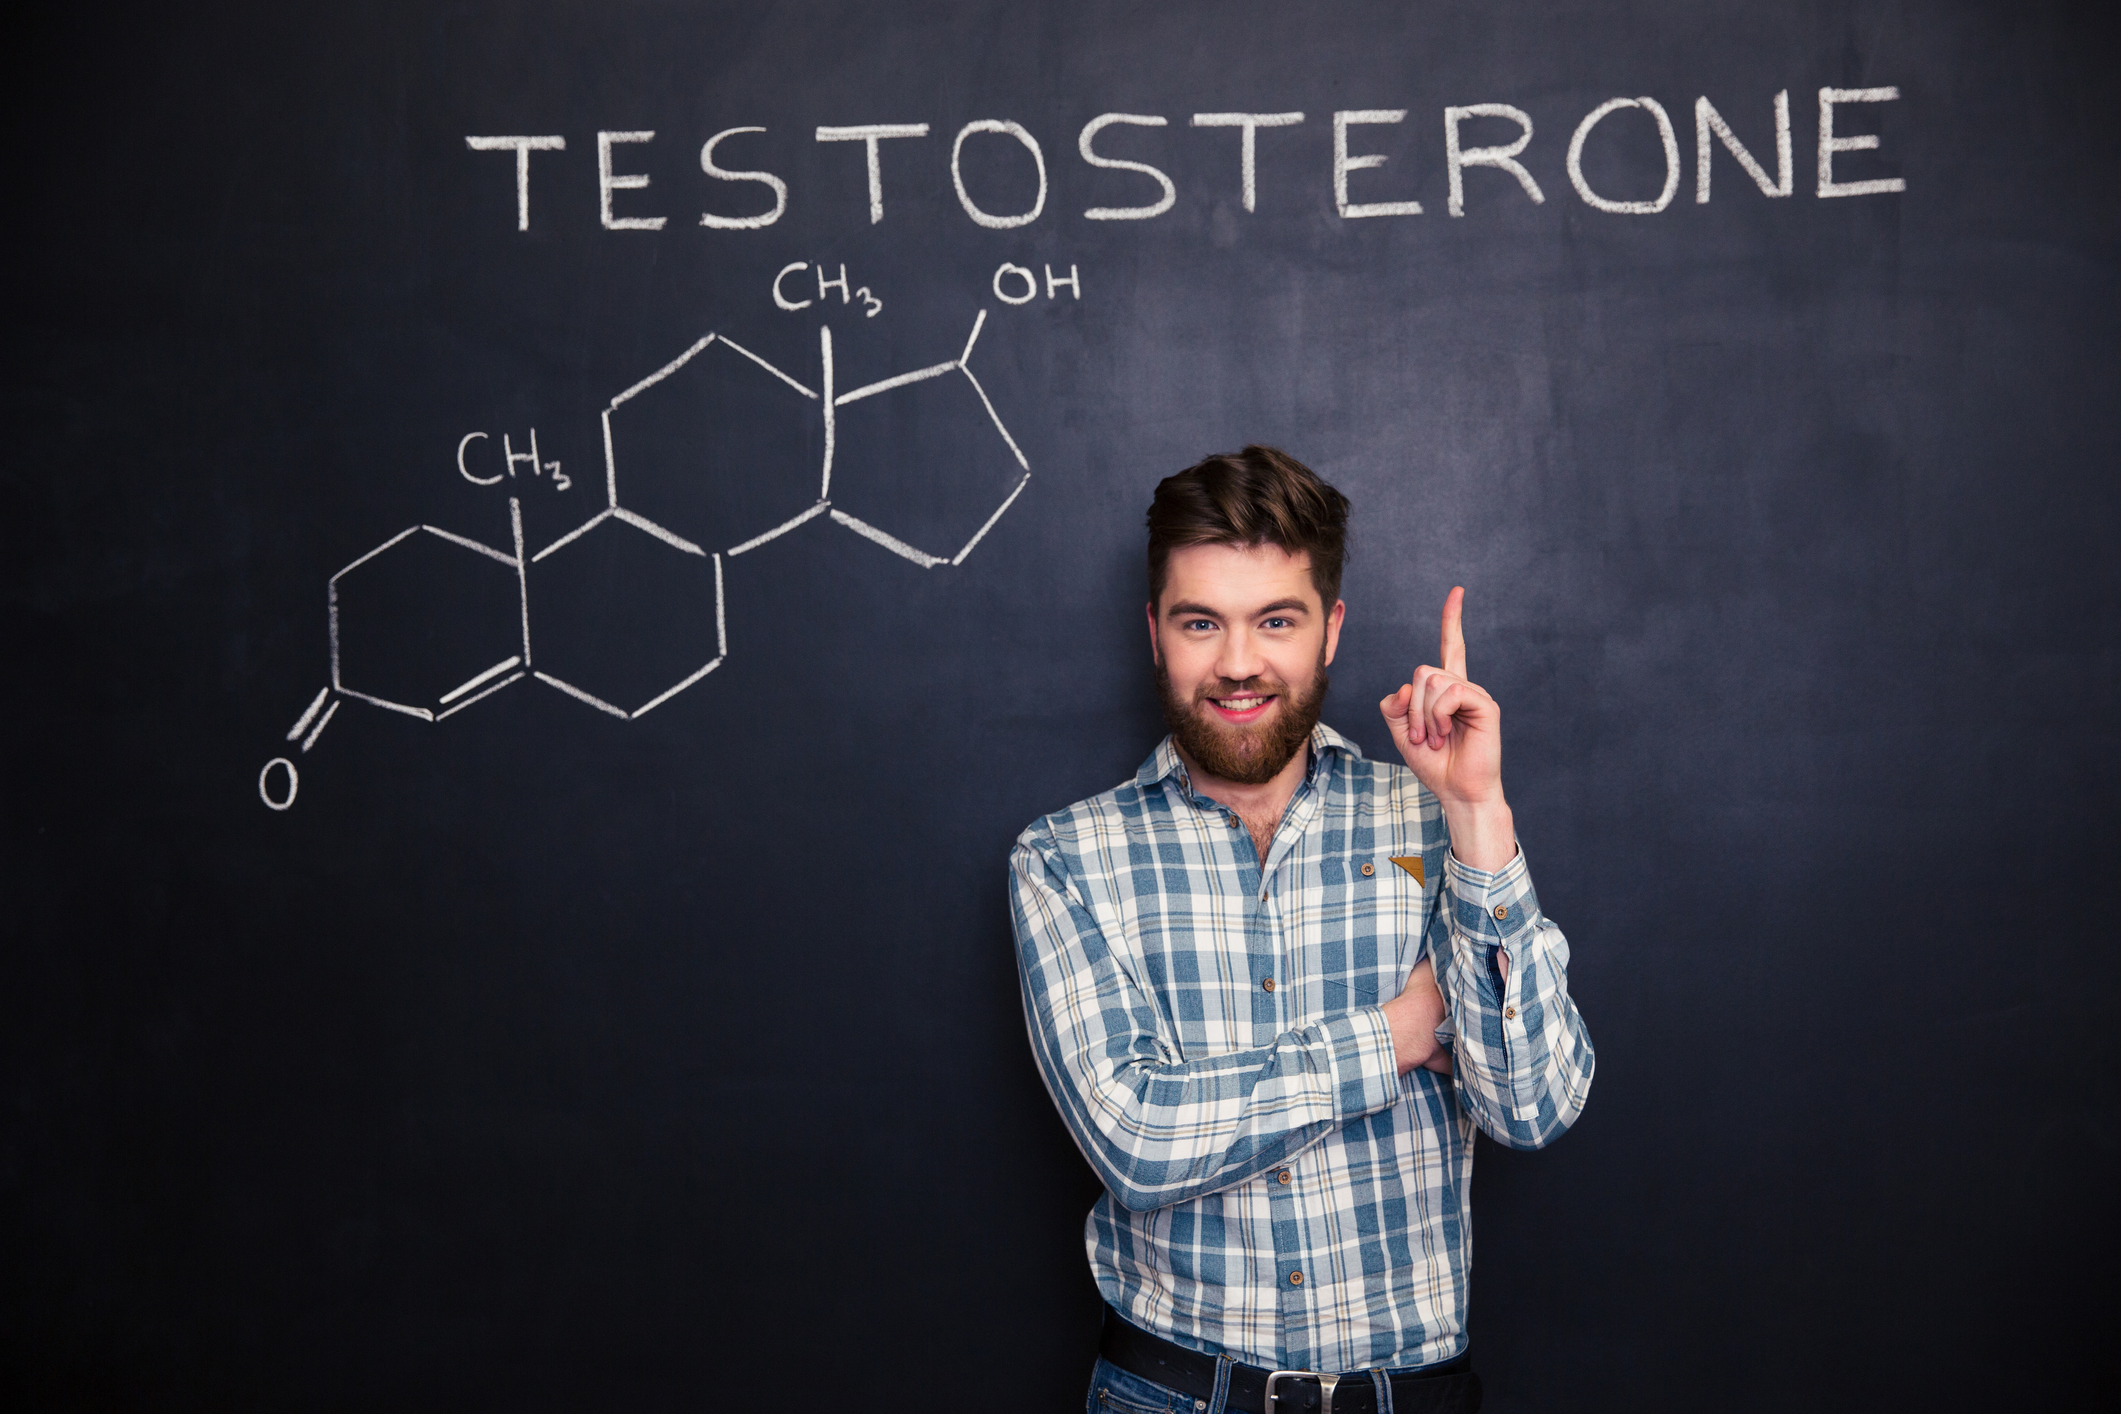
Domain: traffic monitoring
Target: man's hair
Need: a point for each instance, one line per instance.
(1259, 496)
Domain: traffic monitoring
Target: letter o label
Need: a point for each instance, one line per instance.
(957, 174)
(1030, 284)
(1671, 157)
(294, 782)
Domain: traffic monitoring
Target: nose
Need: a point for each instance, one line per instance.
(1240, 655)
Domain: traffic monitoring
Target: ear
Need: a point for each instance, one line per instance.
(1340, 611)
(1156, 647)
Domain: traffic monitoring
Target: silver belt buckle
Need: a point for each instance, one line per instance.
(1326, 1384)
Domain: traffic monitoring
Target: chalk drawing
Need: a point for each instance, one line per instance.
(1139, 213)
(1504, 158)
(1022, 135)
(1250, 124)
(609, 182)
(465, 471)
(1829, 99)
(294, 782)
(831, 401)
(382, 561)
(1707, 120)
(579, 674)
(499, 652)
(522, 147)
(772, 183)
(1344, 164)
(1709, 124)
(1671, 157)
(1008, 272)
(868, 134)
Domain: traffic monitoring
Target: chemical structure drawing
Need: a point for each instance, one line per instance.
(635, 632)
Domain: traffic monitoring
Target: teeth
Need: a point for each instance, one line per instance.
(1240, 704)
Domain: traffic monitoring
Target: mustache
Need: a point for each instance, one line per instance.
(1247, 687)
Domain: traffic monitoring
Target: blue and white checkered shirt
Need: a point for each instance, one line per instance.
(1210, 1030)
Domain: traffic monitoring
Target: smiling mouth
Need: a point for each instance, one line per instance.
(1242, 708)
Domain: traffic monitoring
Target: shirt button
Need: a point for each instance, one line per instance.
(1502, 910)
(1296, 1278)
(1268, 985)
(1233, 822)
(1509, 1013)
(1368, 870)
(1282, 1177)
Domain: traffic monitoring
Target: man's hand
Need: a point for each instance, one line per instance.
(1414, 1016)
(1449, 732)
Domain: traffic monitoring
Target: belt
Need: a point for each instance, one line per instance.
(1449, 1387)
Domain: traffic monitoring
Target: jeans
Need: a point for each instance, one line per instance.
(1114, 1391)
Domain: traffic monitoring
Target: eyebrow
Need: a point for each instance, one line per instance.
(1279, 606)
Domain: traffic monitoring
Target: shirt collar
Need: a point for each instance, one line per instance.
(1165, 762)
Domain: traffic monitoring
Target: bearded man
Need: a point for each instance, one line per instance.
(1274, 987)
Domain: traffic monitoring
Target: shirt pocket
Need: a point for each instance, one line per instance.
(1404, 901)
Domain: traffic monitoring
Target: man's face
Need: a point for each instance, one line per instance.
(1241, 642)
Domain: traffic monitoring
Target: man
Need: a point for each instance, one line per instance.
(1241, 971)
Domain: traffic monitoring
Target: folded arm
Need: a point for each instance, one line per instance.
(1159, 1130)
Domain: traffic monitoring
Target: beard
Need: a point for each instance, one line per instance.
(1252, 754)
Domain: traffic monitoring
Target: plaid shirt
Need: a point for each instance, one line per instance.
(1211, 1032)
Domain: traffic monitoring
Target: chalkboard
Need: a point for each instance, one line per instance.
(551, 550)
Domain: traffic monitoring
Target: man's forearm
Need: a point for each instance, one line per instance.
(1483, 835)
(1413, 1016)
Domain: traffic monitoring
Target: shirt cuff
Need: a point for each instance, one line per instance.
(1361, 1062)
(1491, 907)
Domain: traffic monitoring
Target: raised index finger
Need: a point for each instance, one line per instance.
(1453, 647)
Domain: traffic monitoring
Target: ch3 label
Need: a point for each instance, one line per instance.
(872, 306)
(1013, 284)
(511, 460)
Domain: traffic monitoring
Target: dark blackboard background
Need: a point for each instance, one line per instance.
(537, 1060)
